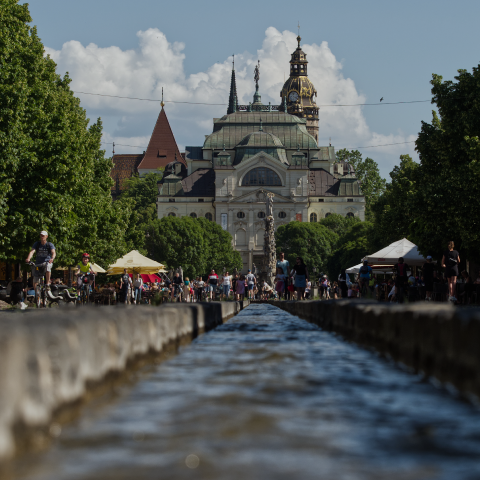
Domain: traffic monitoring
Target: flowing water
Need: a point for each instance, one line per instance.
(268, 396)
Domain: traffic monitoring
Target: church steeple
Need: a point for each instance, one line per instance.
(233, 98)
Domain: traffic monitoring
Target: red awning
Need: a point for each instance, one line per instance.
(148, 278)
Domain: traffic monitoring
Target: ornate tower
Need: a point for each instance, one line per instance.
(233, 99)
(299, 91)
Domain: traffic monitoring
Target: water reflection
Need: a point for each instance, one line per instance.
(268, 395)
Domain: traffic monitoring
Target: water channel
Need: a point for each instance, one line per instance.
(268, 396)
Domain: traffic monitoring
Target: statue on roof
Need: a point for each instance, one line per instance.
(257, 74)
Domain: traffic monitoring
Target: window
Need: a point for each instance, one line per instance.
(208, 216)
(313, 217)
(261, 176)
(349, 199)
(200, 199)
(350, 214)
(282, 215)
(241, 215)
(171, 199)
(193, 215)
(261, 215)
(321, 199)
(171, 214)
(327, 214)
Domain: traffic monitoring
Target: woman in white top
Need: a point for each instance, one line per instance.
(227, 280)
(137, 285)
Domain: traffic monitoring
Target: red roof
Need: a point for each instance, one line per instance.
(162, 146)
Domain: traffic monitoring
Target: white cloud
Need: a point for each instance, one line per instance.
(157, 63)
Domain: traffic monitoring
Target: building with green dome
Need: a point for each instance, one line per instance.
(255, 149)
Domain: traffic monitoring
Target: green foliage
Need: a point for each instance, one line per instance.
(197, 245)
(219, 252)
(395, 211)
(353, 246)
(449, 176)
(54, 175)
(339, 224)
(140, 197)
(312, 241)
(367, 172)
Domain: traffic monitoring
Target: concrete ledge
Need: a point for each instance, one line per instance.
(436, 339)
(48, 359)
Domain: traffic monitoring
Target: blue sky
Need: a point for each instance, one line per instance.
(359, 51)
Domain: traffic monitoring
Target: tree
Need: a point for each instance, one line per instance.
(367, 172)
(219, 250)
(312, 241)
(339, 224)
(141, 195)
(197, 245)
(353, 246)
(449, 174)
(396, 210)
(54, 175)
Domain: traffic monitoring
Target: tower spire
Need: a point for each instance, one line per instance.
(233, 98)
(162, 103)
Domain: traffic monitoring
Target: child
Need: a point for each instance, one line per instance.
(291, 289)
(240, 288)
(280, 279)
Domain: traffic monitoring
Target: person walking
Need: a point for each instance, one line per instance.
(227, 280)
(401, 278)
(240, 288)
(125, 284)
(212, 284)
(342, 280)
(301, 277)
(285, 266)
(251, 281)
(177, 287)
(137, 286)
(186, 290)
(427, 270)
(450, 261)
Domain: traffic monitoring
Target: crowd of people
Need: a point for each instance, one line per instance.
(291, 282)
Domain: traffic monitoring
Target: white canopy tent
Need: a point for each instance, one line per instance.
(390, 255)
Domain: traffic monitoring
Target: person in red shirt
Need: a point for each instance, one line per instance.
(212, 284)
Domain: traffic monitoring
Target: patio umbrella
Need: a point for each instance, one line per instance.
(97, 268)
(134, 262)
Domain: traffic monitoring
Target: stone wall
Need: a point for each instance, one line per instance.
(437, 339)
(50, 359)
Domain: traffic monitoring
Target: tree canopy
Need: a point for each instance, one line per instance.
(312, 241)
(54, 174)
(195, 244)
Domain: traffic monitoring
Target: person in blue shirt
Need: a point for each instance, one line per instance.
(365, 274)
(45, 253)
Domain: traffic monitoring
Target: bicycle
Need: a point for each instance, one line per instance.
(364, 287)
(85, 290)
(38, 272)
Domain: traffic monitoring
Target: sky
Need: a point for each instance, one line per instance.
(358, 52)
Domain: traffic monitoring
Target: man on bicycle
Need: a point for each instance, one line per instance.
(177, 287)
(365, 273)
(84, 268)
(45, 253)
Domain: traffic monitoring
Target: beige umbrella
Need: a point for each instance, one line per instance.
(134, 262)
(97, 268)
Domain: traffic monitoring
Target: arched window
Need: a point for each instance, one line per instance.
(282, 215)
(208, 216)
(261, 215)
(327, 214)
(313, 217)
(171, 214)
(241, 215)
(193, 215)
(261, 176)
(350, 214)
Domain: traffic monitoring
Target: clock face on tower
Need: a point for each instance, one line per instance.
(293, 97)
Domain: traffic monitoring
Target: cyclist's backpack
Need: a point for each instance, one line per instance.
(363, 269)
